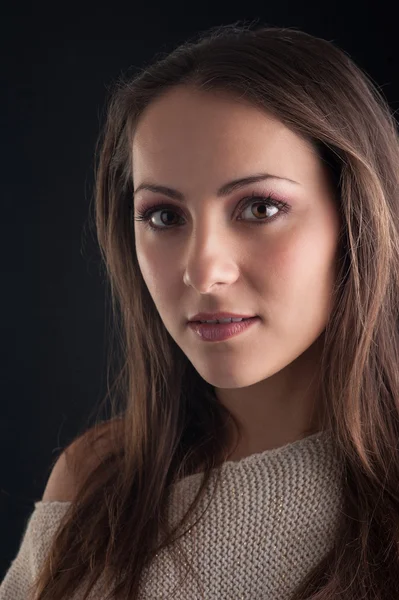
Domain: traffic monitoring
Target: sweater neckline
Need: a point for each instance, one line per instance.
(242, 463)
(257, 457)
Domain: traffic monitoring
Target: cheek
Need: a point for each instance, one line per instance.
(157, 270)
(149, 266)
(300, 274)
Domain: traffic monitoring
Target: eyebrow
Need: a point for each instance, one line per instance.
(226, 189)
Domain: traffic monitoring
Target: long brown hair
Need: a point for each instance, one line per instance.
(165, 421)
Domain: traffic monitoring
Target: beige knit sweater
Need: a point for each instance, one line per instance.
(274, 517)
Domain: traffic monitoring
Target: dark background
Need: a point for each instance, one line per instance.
(56, 73)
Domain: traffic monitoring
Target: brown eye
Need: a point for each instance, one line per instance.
(260, 209)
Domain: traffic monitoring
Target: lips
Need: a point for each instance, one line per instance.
(218, 332)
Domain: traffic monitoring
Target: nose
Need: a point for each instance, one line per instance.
(210, 261)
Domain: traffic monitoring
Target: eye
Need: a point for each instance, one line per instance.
(260, 206)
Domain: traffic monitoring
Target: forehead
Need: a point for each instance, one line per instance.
(188, 133)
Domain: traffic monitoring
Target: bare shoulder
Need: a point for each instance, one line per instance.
(75, 462)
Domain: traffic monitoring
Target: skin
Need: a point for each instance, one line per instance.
(208, 260)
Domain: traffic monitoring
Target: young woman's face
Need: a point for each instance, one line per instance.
(210, 252)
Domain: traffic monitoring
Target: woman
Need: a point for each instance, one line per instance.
(253, 172)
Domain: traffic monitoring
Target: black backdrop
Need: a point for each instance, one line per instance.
(56, 70)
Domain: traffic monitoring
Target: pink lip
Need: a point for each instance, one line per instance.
(216, 332)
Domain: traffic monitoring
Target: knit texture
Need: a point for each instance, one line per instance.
(273, 517)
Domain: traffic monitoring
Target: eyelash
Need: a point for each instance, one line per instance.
(146, 213)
